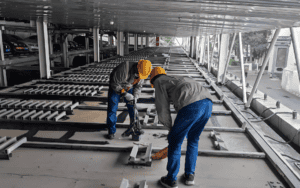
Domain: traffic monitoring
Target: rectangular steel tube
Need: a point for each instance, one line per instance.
(33, 104)
(7, 112)
(52, 115)
(3, 139)
(66, 106)
(15, 145)
(7, 116)
(3, 110)
(20, 103)
(39, 105)
(20, 114)
(47, 104)
(36, 115)
(11, 104)
(28, 114)
(25, 105)
(71, 92)
(59, 116)
(74, 106)
(5, 103)
(44, 115)
(8, 142)
(53, 105)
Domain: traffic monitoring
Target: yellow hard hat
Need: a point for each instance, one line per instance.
(156, 71)
(144, 68)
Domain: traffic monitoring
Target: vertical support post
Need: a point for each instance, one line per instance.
(51, 48)
(228, 58)
(219, 44)
(87, 44)
(118, 43)
(142, 41)
(135, 42)
(44, 57)
(65, 52)
(96, 44)
(242, 68)
(126, 45)
(147, 41)
(296, 46)
(194, 47)
(202, 49)
(222, 56)
(262, 68)
(3, 78)
(121, 43)
(191, 46)
(212, 53)
(157, 40)
(208, 64)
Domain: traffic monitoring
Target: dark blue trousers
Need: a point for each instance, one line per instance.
(190, 122)
(113, 102)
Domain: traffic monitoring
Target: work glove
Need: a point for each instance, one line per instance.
(129, 97)
(162, 154)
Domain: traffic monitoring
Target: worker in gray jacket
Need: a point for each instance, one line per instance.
(193, 104)
(125, 81)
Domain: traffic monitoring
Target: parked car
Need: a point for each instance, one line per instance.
(16, 46)
(32, 43)
(7, 49)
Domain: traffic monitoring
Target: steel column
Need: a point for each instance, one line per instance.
(142, 41)
(44, 57)
(118, 43)
(228, 58)
(208, 64)
(65, 52)
(96, 44)
(147, 41)
(194, 47)
(296, 46)
(219, 44)
(3, 78)
(191, 46)
(121, 43)
(87, 44)
(126, 45)
(222, 56)
(212, 53)
(242, 68)
(262, 68)
(135, 42)
(202, 49)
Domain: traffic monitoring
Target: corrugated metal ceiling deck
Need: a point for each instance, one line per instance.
(164, 17)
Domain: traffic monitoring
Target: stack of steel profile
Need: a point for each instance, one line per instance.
(66, 89)
(85, 78)
(8, 145)
(97, 70)
(34, 110)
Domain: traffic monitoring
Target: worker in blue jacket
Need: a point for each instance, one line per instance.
(125, 81)
(193, 104)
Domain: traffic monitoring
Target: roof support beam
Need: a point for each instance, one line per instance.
(96, 44)
(222, 56)
(242, 68)
(43, 43)
(228, 58)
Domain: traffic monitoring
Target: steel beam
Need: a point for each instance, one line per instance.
(191, 47)
(147, 41)
(242, 67)
(222, 56)
(228, 58)
(142, 41)
(118, 42)
(121, 43)
(87, 41)
(296, 46)
(202, 50)
(44, 56)
(208, 65)
(96, 44)
(262, 68)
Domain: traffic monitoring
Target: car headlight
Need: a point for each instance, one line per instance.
(15, 44)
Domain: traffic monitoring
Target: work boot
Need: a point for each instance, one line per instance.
(189, 179)
(111, 136)
(168, 183)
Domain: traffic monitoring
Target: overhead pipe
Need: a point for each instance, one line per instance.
(262, 68)
(228, 58)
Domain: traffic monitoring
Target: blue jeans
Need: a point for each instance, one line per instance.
(113, 102)
(190, 122)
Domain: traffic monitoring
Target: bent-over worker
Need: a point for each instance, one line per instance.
(125, 81)
(193, 104)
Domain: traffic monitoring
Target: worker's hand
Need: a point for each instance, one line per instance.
(129, 97)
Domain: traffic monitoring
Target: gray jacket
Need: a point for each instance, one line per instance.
(123, 77)
(181, 91)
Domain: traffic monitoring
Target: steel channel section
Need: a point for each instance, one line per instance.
(263, 67)
(242, 68)
(273, 156)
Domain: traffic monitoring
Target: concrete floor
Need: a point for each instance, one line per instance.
(272, 87)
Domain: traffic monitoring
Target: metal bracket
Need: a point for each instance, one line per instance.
(141, 184)
(144, 160)
(218, 141)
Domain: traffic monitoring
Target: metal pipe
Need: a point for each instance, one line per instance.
(228, 58)
(212, 54)
(296, 49)
(262, 68)
(242, 68)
